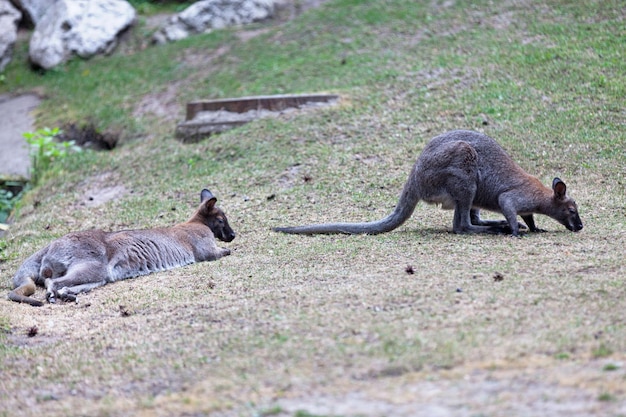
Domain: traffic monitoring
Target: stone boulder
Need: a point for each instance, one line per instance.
(79, 27)
(205, 15)
(9, 18)
(34, 10)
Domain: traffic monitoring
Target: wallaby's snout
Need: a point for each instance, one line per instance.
(573, 223)
(221, 229)
(227, 234)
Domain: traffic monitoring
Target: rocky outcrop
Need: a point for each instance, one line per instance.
(34, 10)
(203, 16)
(9, 18)
(79, 27)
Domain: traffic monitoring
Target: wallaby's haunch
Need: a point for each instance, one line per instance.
(81, 261)
(468, 171)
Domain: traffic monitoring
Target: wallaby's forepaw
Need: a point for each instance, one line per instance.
(225, 251)
(63, 294)
(66, 295)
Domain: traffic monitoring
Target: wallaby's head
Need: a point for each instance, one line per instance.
(213, 217)
(565, 210)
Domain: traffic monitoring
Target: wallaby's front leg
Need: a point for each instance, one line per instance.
(221, 252)
(211, 252)
(530, 221)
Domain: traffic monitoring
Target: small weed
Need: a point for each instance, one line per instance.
(272, 411)
(281, 338)
(3, 246)
(47, 397)
(5, 326)
(602, 351)
(45, 150)
(562, 356)
(610, 367)
(7, 201)
(606, 397)
(302, 413)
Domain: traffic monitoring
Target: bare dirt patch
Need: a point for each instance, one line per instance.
(537, 390)
(100, 189)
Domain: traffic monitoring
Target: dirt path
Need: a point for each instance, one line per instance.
(15, 119)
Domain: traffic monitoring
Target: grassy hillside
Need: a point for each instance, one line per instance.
(335, 325)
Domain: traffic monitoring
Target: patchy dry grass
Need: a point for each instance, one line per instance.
(335, 325)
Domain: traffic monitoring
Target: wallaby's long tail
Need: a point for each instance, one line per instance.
(404, 209)
(22, 292)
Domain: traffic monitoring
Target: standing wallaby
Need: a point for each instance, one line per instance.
(468, 171)
(81, 261)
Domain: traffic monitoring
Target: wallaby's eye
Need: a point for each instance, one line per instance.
(572, 210)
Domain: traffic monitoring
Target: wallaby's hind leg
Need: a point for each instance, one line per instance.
(465, 218)
(22, 293)
(462, 222)
(70, 293)
(26, 279)
(477, 221)
(462, 189)
(450, 173)
(80, 278)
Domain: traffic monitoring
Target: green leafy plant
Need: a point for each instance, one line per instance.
(7, 200)
(45, 150)
(10, 193)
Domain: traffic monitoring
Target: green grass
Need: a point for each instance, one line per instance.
(336, 318)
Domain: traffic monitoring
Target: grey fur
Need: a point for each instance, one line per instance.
(468, 171)
(81, 261)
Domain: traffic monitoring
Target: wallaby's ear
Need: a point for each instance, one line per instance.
(206, 195)
(207, 199)
(559, 188)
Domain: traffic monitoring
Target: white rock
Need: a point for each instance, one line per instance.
(34, 9)
(79, 27)
(205, 15)
(9, 18)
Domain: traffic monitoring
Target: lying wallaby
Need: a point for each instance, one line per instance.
(468, 171)
(81, 261)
